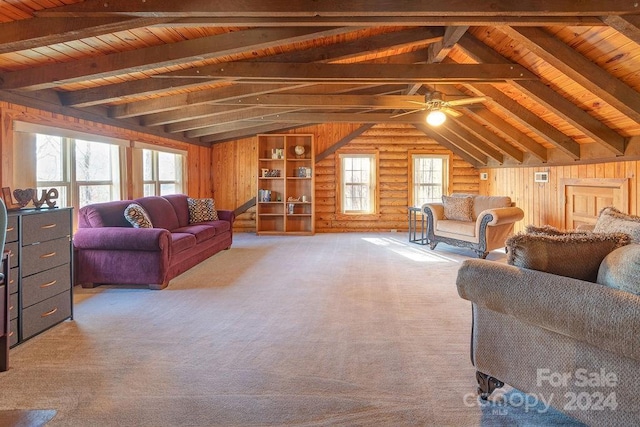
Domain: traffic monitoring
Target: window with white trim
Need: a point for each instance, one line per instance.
(358, 183)
(162, 172)
(429, 177)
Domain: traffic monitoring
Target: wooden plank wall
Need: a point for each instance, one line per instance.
(199, 177)
(235, 175)
(543, 202)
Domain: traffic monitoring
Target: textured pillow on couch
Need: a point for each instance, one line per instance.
(611, 220)
(570, 255)
(458, 208)
(202, 210)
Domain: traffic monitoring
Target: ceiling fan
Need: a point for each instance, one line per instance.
(438, 107)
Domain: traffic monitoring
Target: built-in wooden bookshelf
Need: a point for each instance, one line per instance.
(285, 199)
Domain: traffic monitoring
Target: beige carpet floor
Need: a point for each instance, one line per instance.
(349, 329)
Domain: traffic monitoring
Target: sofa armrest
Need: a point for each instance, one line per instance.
(501, 215)
(601, 316)
(122, 238)
(226, 215)
(437, 209)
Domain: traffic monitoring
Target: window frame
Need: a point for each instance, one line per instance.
(373, 155)
(138, 168)
(447, 175)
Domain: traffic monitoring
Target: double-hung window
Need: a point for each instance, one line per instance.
(358, 190)
(162, 172)
(429, 178)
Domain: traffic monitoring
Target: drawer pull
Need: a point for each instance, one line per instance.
(9, 229)
(49, 313)
(46, 285)
(11, 281)
(49, 255)
(11, 334)
(48, 226)
(10, 307)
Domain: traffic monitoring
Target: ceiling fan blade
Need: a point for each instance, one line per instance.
(416, 102)
(405, 113)
(451, 112)
(466, 101)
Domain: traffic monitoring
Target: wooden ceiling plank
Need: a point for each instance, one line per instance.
(49, 76)
(192, 112)
(320, 117)
(527, 118)
(428, 130)
(328, 100)
(342, 142)
(38, 32)
(490, 138)
(204, 125)
(510, 133)
(331, 8)
(550, 99)
(249, 132)
(628, 25)
(465, 135)
(358, 72)
(589, 75)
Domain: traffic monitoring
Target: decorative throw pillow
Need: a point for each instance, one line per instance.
(621, 269)
(550, 230)
(201, 210)
(570, 255)
(137, 216)
(611, 220)
(458, 208)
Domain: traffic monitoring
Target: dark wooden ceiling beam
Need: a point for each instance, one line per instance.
(441, 140)
(249, 131)
(204, 126)
(188, 113)
(356, 73)
(509, 133)
(454, 127)
(333, 8)
(38, 32)
(550, 99)
(334, 52)
(525, 117)
(628, 25)
(179, 53)
(321, 117)
(328, 100)
(491, 138)
(587, 74)
(440, 49)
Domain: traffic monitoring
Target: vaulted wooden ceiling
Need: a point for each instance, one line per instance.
(561, 78)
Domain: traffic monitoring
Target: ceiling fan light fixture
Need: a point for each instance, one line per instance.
(436, 117)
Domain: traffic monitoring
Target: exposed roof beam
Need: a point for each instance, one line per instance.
(328, 100)
(319, 117)
(331, 8)
(49, 76)
(334, 52)
(206, 126)
(510, 133)
(356, 73)
(589, 75)
(440, 49)
(527, 118)
(550, 99)
(37, 32)
(628, 25)
(475, 142)
(427, 130)
(249, 131)
(491, 138)
(342, 142)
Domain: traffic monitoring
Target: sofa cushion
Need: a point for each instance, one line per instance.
(201, 210)
(573, 255)
(179, 203)
(482, 203)
(458, 208)
(107, 214)
(201, 232)
(137, 216)
(611, 220)
(182, 241)
(160, 211)
(621, 269)
(463, 228)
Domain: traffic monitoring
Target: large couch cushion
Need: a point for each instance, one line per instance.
(182, 241)
(201, 232)
(463, 228)
(137, 216)
(621, 269)
(611, 220)
(458, 208)
(573, 255)
(107, 214)
(482, 203)
(179, 203)
(160, 211)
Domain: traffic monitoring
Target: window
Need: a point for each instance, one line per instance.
(162, 172)
(82, 171)
(358, 183)
(429, 178)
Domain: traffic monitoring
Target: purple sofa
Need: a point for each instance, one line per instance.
(110, 250)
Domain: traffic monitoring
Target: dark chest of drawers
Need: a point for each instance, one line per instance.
(40, 285)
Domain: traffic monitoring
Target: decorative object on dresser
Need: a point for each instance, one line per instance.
(4, 293)
(179, 233)
(280, 209)
(41, 266)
